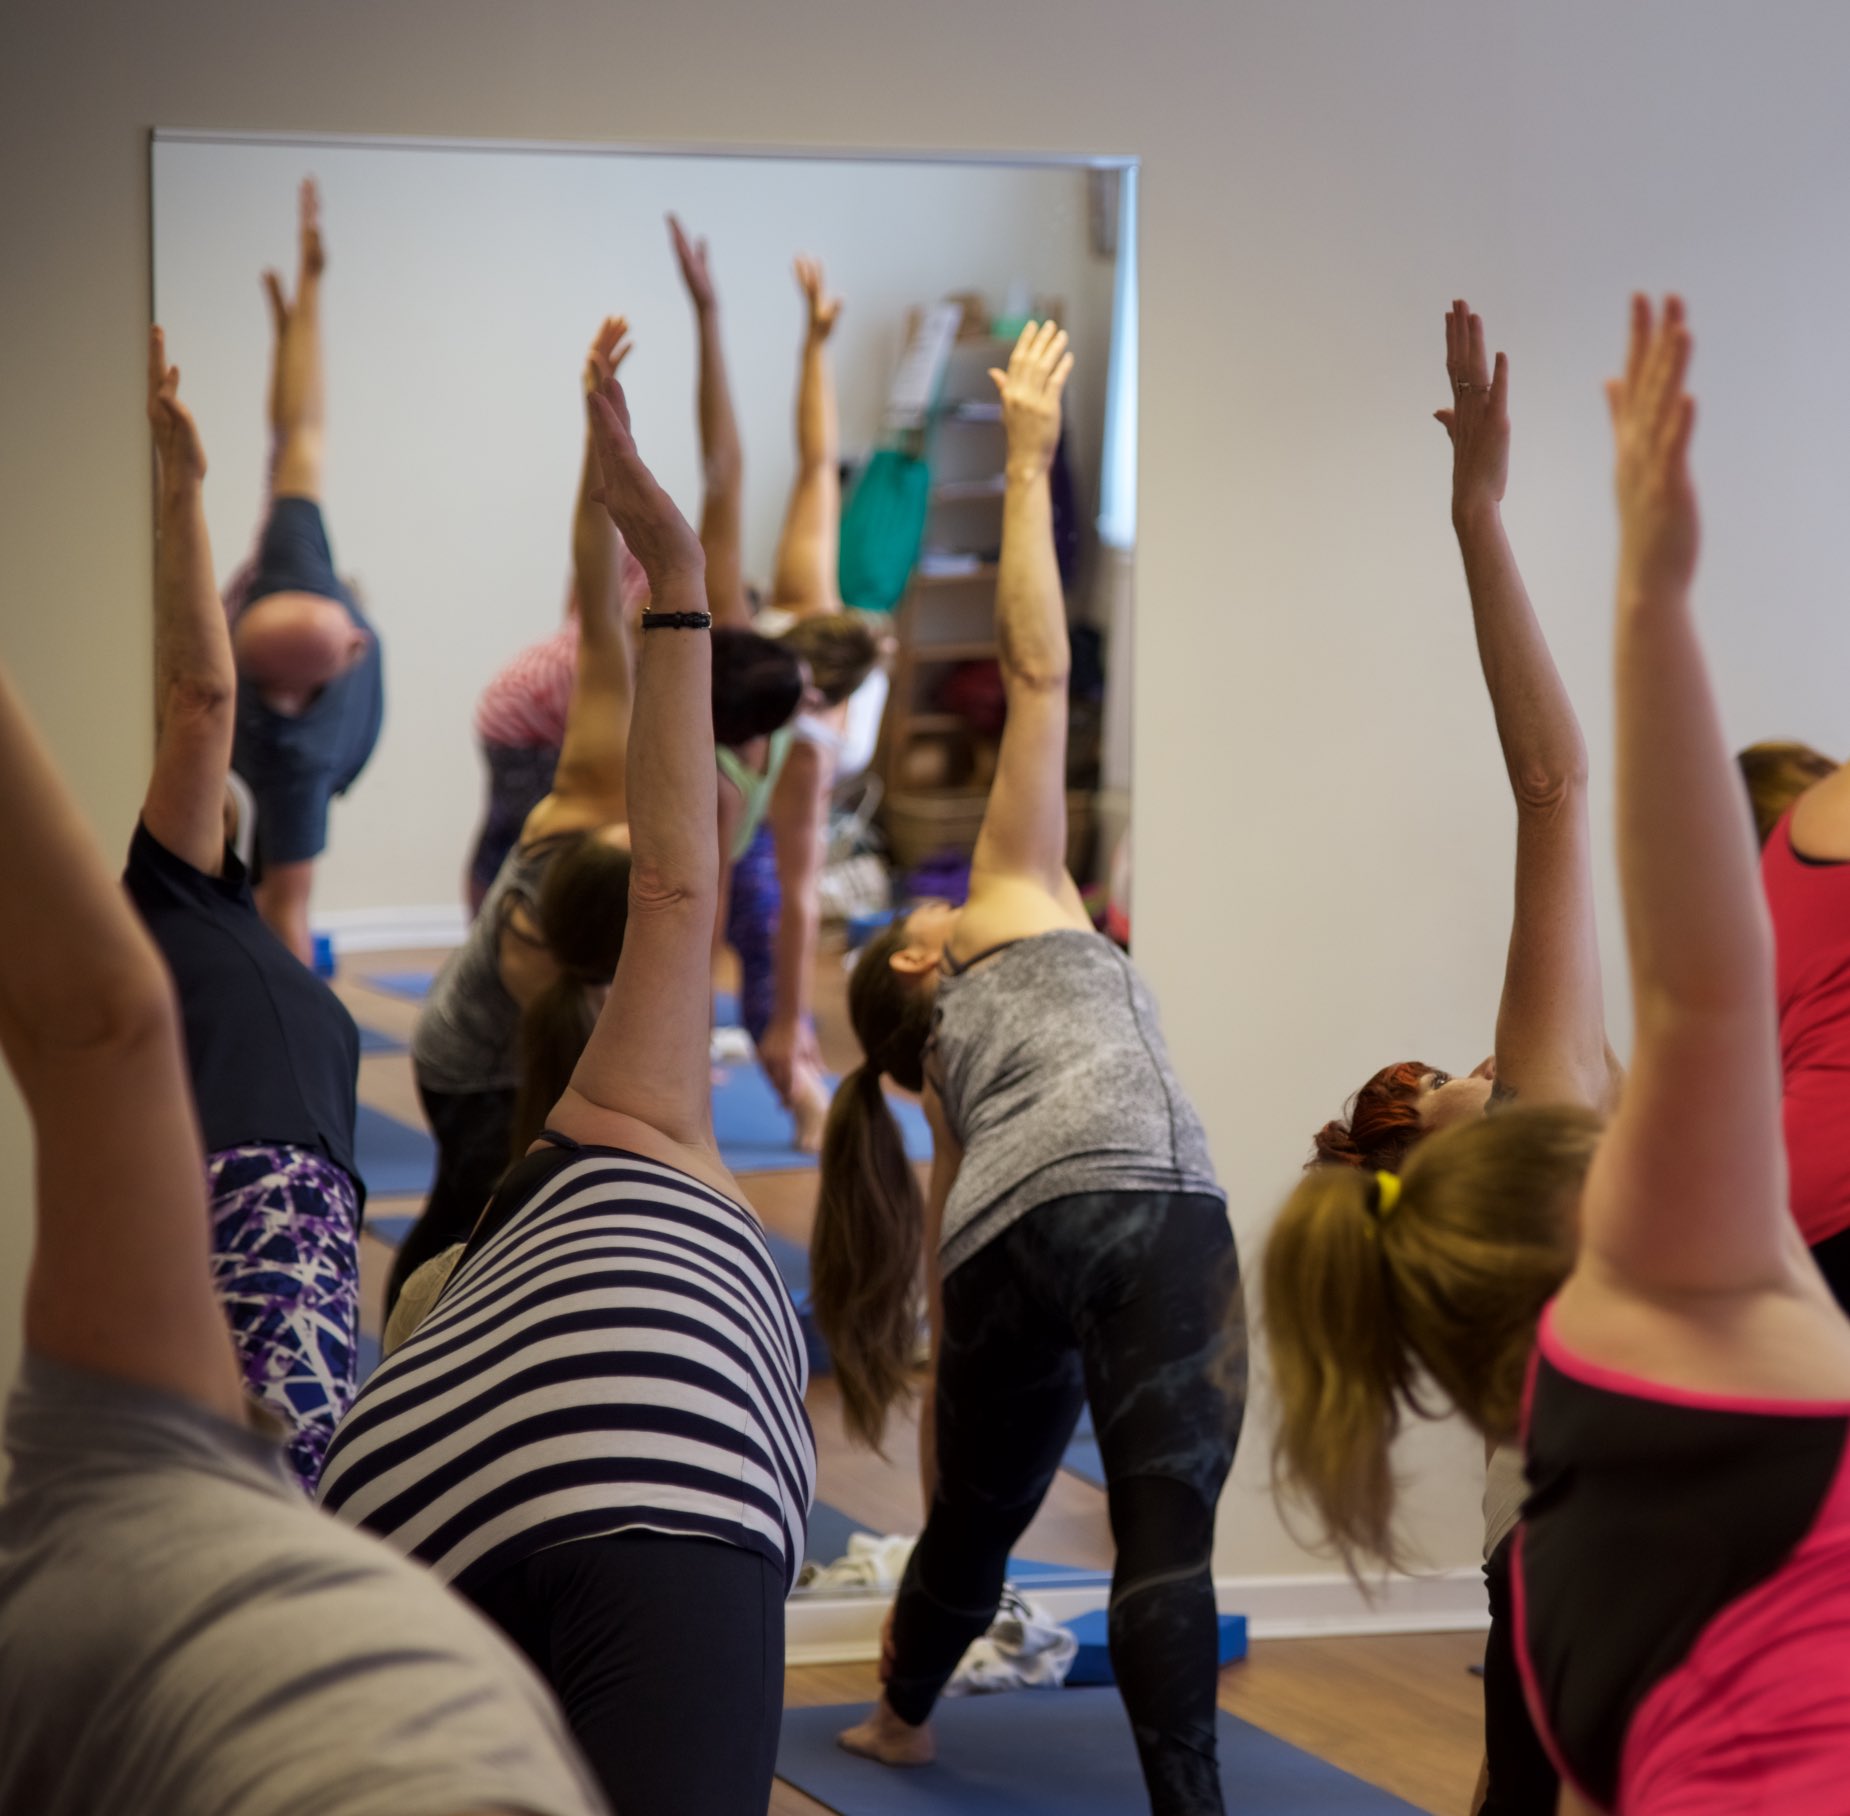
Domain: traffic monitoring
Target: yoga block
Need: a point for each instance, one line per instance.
(1092, 1663)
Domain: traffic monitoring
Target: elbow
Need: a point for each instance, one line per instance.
(205, 699)
(1037, 674)
(687, 886)
(1545, 786)
(124, 1004)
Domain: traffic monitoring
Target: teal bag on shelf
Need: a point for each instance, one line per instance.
(882, 527)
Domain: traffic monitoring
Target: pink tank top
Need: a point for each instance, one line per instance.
(1682, 1593)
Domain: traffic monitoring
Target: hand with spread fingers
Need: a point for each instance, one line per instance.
(824, 310)
(176, 436)
(610, 347)
(1652, 419)
(691, 256)
(1478, 419)
(1030, 390)
(311, 261)
(658, 535)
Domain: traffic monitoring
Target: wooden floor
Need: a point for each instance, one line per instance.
(1402, 1712)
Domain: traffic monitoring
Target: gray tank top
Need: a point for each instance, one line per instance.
(1054, 1077)
(467, 1038)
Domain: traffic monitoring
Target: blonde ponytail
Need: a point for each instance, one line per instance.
(1363, 1309)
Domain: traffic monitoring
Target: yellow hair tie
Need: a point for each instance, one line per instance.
(1387, 1195)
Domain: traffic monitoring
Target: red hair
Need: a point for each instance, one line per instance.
(1383, 1122)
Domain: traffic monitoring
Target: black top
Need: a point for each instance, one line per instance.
(273, 1053)
(1645, 1519)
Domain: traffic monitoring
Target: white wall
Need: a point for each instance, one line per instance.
(463, 287)
(1323, 838)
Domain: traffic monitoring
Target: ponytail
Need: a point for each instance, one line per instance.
(1376, 1285)
(865, 1253)
(1340, 1366)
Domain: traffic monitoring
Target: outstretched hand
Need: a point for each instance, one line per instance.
(658, 535)
(824, 310)
(1031, 388)
(1478, 421)
(691, 255)
(1652, 418)
(311, 256)
(610, 347)
(176, 436)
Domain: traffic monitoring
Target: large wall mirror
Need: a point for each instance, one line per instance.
(464, 282)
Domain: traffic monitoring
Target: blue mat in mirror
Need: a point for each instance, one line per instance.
(376, 1040)
(1053, 1753)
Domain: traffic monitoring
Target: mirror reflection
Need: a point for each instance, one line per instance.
(437, 628)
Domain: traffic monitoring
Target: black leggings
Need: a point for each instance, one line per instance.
(1523, 1781)
(473, 1131)
(1131, 1301)
(667, 1655)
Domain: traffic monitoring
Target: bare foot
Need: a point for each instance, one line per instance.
(883, 1736)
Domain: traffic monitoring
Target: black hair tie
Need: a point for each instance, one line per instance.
(677, 621)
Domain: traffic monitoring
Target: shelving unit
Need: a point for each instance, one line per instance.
(935, 773)
(929, 764)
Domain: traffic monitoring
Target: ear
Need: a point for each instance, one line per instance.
(914, 961)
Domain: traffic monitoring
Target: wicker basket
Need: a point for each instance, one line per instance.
(920, 825)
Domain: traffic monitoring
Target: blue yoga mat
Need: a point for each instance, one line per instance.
(830, 1530)
(1054, 1753)
(1082, 1458)
(393, 1157)
(754, 1130)
(414, 985)
(366, 1357)
(376, 1040)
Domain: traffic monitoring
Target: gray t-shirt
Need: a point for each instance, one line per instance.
(1054, 1077)
(468, 1034)
(182, 1634)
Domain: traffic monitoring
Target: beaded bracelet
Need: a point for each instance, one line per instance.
(677, 621)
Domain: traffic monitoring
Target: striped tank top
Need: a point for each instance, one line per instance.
(615, 1350)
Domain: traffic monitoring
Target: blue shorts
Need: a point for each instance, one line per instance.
(296, 763)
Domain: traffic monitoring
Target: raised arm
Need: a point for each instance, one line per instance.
(722, 458)
(590, 785)
(120, 1280)
(1551, 1024)
(789, 1053)
(1687, 1195)
(647, 1057)
(1023, 836)
(809, 545)
(298, 412)
(195, 681)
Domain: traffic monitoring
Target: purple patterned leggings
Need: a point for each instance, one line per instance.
(286, 1268)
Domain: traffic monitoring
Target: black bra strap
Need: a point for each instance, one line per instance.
(956, 967)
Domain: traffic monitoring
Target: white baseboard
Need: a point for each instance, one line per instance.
(845, 1629)
(393, 929)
